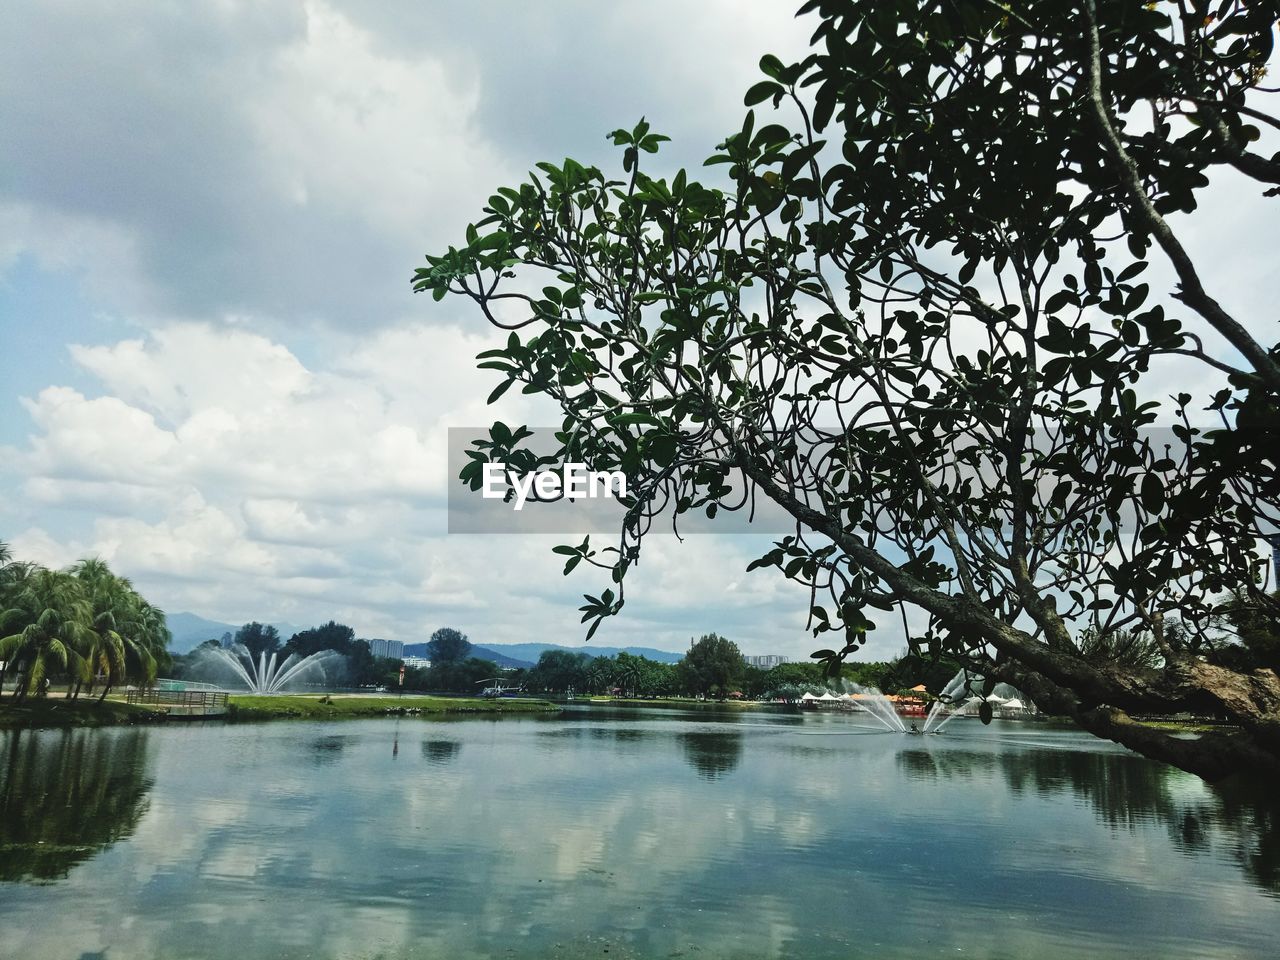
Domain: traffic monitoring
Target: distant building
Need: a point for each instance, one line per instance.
(420, 663)
(390, 649)
(766, 661)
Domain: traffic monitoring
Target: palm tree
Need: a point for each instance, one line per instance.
(599, 674)
(7, 576)
(629, 673)
(148, 645)
(50, 619)
(129, 635)
(109, 600)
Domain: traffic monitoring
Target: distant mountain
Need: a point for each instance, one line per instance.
(190, 630)
(527, 654)
(531, 651)
(482, 653)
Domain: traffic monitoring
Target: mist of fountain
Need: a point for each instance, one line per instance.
(947, 702)
(877, 704)
(952, 702)
(266, 675)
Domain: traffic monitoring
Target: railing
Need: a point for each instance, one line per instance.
(181, 702)
(164, 683)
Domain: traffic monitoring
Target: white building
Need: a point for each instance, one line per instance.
(766, 661)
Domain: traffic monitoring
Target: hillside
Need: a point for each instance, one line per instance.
(190, 630)
(530, 652)
(482, 653)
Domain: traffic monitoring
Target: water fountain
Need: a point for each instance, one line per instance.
(267, 675)
(876, 704)
(949, 704)
(946, 702)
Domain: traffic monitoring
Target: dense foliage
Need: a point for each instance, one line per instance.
(921, 318)
(83, 626)
(447, 645)
(469, 675)
(258, 638)
(716, 670)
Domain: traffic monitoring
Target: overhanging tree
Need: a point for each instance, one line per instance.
(928, 339)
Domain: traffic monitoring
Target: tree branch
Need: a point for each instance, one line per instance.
(1193, 293)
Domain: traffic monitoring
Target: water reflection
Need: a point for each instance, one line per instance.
(712, 753)
(440, 752)
(651, 836)
(1127, 792)
(326, 750)
(65, 796)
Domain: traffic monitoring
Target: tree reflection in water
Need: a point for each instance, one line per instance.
(712, 754)
(440, 752)
(1125, 790)
(67, 795)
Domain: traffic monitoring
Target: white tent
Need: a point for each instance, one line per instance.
(1013, 704)
(808, 696)
(828, 697)
(970, 706)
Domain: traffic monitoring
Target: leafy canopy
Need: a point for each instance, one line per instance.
(919, 315)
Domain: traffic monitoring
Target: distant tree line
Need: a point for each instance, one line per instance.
(452, 668)
(362, 668)
(713, 667)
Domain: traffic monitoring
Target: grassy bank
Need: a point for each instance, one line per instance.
(248, 707)
(675, 703)
(86, 712)
(89, 712)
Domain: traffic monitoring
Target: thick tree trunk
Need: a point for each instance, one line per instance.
(105, 690)
(1099, 698)
(1213, 755)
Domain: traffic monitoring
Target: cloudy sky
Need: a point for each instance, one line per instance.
(213, 372)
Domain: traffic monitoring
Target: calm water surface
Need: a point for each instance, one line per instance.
(639, 833)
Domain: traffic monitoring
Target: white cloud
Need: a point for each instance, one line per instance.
(229, 478)
(249, 185)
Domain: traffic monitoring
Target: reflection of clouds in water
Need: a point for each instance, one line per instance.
(517, 836)
(328, 749)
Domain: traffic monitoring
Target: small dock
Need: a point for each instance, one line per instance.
(181, 703)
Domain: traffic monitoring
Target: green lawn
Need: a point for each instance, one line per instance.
(89, 712)
(689, 703)
(248, 707)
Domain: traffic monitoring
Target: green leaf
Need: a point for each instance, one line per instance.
(1058, 301)
(1152, 493)
(500, 389)
(771, 66)
(762, 91)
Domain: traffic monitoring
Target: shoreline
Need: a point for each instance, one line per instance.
(242, 708)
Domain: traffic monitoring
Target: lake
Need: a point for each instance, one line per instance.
(622, 833)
